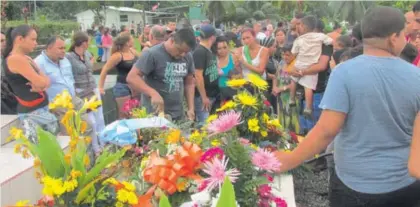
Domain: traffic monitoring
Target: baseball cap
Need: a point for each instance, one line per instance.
(207, 31)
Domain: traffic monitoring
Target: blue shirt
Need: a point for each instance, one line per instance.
(98, 40)
(61, 75)
(381, 97)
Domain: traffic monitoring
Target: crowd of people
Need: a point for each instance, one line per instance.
(358, 89)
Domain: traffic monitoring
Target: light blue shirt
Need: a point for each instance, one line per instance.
(61, 75)
(381, 97)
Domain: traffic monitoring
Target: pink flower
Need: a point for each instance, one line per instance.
(216, 168)
(130, 104)
(280, 202)
(264, 191)
(243, 141)
(211, 153)
(225, 122)
(203, 185)
(265, 160)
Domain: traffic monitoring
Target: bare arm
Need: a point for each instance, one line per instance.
(189, 87)
(414, 159)
(136, 82)
(317, 140)
(200, 82)
(22, 66)
(111, 63)
(318, 67)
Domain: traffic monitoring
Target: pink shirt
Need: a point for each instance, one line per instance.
(107, 40)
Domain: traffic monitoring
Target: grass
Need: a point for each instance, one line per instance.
(94, 50)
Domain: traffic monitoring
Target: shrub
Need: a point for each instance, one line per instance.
(46, 28)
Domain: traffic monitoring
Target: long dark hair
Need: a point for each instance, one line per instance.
(11, 34)
(78, 39)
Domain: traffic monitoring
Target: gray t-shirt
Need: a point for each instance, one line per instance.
(381, 97)
(166, 75)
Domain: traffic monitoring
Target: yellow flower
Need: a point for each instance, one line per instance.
(132, 198)
(112, 181)
(122, 196)
(211, 118)
(144, 162)
(264, 133)
(17, 148)
(37, 162)
(73, 143)
(92, 104)
(16, 133)
(52, 186)
(228, 105)
(86, 160)
(25, 154)
(70, 185)
(257, 81)
(266, 118)
(22, 203)
(287, 151)
(88, 140)
(67, 158)
(83, 126)
(253, 125)
(316, 156)
(182, 186)
(196, 137)
(274, 122)
(119, 204)
(75, 174)
(215, 143)
(62, 100)
(173, 136)
(253, 146)
(236, 83)
(128, 186)
(246, 99)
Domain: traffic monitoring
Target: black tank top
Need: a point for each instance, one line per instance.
(123, 68)
(27, 101)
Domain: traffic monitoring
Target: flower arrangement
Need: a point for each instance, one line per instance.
(68, 178)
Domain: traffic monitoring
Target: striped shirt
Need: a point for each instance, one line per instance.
(84, 82)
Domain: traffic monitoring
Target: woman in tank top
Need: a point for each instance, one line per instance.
(27, 82)
(253, 56)
(226, 66)
(122, 58)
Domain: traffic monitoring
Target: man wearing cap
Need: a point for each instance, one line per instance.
(206, 74)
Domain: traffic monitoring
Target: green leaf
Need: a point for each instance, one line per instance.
(85, 191)
(227, 196)
(164, 202)
(77, 158)
(50, 154)
(99, 166)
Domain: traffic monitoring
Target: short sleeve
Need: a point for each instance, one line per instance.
(191, 64)
(199, 56)
(336, 96)
(327, 50)
(295, 48)
(145, 63)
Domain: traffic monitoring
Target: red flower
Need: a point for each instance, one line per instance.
(46, 201)
(203, 185)
(267, 103)
(280, 202)
(264, 191)
(269, 177)
(294, 137)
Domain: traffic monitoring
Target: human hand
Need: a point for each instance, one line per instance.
(275, 91)
(294, 72)
(102, 91)
(34, 88)
(206, 103)
(157, 102)
(283, 157)
(191, 115)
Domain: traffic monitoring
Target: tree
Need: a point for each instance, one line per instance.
(215, 10)
(257, 10)
(350, 11)
(404, 6)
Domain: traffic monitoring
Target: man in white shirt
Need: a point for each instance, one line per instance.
(257, 30)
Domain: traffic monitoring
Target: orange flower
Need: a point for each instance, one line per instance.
(38, 175)
(67, 158)
(86, 160)
(37, 162)
(83, 127)
(88, 140)
(25, 154)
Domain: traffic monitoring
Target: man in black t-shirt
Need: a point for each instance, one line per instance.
(206, 74)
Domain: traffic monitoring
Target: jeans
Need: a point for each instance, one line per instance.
(98, 124)
(121, 90)
(342, 196)
(200, 114)
(307, 124)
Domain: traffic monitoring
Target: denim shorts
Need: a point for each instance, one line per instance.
(121, 90)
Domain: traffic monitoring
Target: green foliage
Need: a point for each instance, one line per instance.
(164, 202)
(46, 29)
(251, 185)
(235, 152)
(227, 195)
(50, 153)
